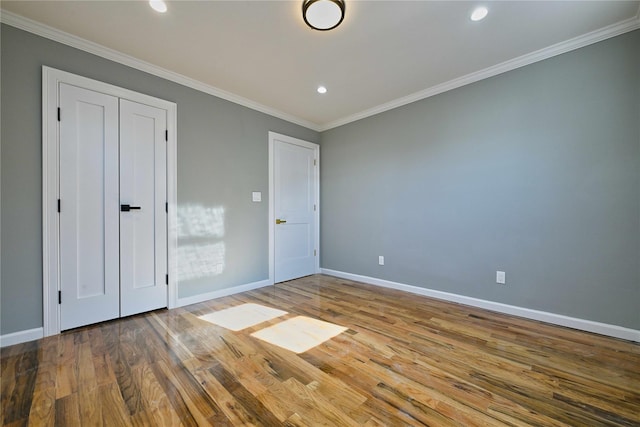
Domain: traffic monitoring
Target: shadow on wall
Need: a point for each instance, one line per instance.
(201, 250)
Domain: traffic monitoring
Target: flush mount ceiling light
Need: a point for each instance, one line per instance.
(158, 5)
(479, 13)
(323, 15)
(322, 89)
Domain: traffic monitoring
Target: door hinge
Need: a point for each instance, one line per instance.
(314, 208)
(166, 135)
(58, 205)
(59, 297)
(315, 253)
(58, 113)
(314, 162)
(166, 279)
(166, 207)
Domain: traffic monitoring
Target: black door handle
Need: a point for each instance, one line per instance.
(127, 208)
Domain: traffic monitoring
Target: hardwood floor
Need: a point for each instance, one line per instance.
(404, 360)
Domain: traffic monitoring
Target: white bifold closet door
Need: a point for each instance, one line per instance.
(143, 185)
(113, 223)
(89, 230)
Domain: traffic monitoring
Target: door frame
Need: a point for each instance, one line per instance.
(51, 78)
(273, 136)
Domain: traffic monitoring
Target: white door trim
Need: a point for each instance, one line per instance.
(50, 172)
(273, 136)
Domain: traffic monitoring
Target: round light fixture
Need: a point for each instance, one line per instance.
(158, 5)
(479, 13)
(323, 15)
(322, 89)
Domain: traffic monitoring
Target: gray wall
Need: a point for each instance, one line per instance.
(222, 158)
(535, 172)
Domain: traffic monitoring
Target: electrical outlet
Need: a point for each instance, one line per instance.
(380, 260)
(501, 277)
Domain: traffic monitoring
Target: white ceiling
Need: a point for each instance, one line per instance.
(384, 54)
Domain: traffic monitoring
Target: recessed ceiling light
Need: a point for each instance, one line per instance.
(158, 5)
(479, 13)
(322, 89)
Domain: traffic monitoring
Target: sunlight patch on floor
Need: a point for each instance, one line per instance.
(242, 316)
(299, 334)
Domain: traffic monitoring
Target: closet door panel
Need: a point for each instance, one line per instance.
(89, 229)
(143, 226)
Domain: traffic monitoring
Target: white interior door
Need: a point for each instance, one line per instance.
(294, 208)
(89, 252)
(84, 160)
(143, 217)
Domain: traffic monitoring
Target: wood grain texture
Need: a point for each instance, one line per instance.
(404, 360)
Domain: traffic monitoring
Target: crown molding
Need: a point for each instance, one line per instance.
(527, 59)
(59, 36)
(51, 33)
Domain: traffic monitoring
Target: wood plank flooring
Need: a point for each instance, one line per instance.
(404, 360)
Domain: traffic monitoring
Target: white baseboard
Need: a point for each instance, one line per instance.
(37, 333)
(21, 336)
(222, 293)
(543, 316)
(556, 319)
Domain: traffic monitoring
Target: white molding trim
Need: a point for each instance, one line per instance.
(172, 200)
(21, 336)
(50, 224)
(54, 34)
(50, 191)
(223, 293)
(527, 59)
(273, 136)
(543, 316)
(59, 36)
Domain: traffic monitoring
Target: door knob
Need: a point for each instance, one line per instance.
(127, 208)
(280, 221)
